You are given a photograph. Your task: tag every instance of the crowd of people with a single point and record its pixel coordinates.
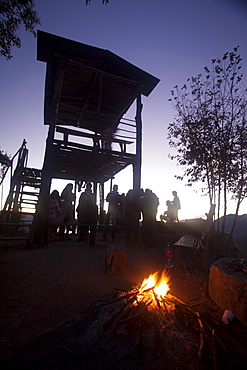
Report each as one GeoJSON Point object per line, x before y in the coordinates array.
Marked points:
{"type": "Point", "coordinates": [124, 212]}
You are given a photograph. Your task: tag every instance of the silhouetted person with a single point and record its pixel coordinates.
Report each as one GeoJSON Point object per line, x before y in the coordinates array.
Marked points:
{"type": "Point", "coordinates": [67, 198]}
{"type": "Point", "coordinates": [58, 211]}
{"type": "Point", "coordinates": [169, 214]}
{"type": "Point", "coordinates": [176, 204]}
{"type": "Point", "coordinates": [149, 205]}
{"type": "Point", "coordinates": [87, 215]}
{"type": "Point", "coordinates": [128, 214]}
{"type": "Point", "coordinates": [114, 217]}
{"type": "Point", "coordinates": [55, 208]}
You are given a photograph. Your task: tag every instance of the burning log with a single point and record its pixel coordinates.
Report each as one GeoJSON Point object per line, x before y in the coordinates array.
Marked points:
{"type": "Point", "coordinates": [149, 328]}
{"type": "Point", "coordinates": [147, 319]}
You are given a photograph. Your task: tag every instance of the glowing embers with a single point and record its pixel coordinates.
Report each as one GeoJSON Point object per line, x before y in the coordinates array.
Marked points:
{"type": "Point", "coordinates": [154, 291]}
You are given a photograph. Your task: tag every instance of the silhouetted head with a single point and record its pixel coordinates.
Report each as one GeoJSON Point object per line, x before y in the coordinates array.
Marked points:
{"type": "Point", "coordinates": [54, 194]}
{"type": "Point", "coordinates": [115, 188]}
{"type": "Point", "coordinates": [174, 193]}
{"type": "Point", "coordinates": [67, 191]}
{"type": "Point", "coordinates": [88, 186]}
{"type": "Point", "coordinates": [69, 187]}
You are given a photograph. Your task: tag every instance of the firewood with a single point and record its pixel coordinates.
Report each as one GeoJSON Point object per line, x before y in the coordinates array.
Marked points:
{"type": "Point", "coordinates": [130, 318]}
{"type": "Point", "coordinates": [225, 352]}
{"type": "Point", "coordinates": [110, 322]}
{"type": "Point", "coordinates": [157, 335]}
{"type": "Point", "coordinates": [161, 322]}
{"type": "Point", "coordinates": [118, 299]}
{"type": "Point", "coordinates": [202, 341]}
{"type": "Point", "coordinates": [210, 341]}
{"type": "Point", "coordinates": [156, 298]}
{"type": "Point", "coordinates": [179, 315]}
{"type": "Point", "coordinates": [167, 311]}
{"type": "Point", "coordinates": [202, 346]}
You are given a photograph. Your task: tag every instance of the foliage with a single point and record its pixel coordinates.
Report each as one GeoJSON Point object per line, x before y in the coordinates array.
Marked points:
{"type": "Point", "coordinates": [15, 13]}
{"type": "Point", "coordinates": [210, 129]}
{"type": "Point", "coordinates": [5, 162]}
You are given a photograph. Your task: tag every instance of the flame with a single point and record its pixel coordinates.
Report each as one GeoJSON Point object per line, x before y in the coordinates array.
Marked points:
{"type": "Point", "coordinates": [154, 288]}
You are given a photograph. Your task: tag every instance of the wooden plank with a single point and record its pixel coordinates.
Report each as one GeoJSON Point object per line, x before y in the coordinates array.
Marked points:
{"type": "Point", "coordinates": [187, 241]}
{"type": "Point", "coordinates": [91, 136]}
{"type": "Point", "coordinates": [16, 224]}
{"type": "Point", "coordinates": [14, 237]}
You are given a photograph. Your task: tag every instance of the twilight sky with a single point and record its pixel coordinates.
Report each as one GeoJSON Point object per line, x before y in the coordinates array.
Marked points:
{"type": "Point", "coordinates": [172, 40]}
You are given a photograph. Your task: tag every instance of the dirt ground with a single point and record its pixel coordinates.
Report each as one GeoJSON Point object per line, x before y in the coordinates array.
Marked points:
{"type": "Point", "coordinates": [45, 286]}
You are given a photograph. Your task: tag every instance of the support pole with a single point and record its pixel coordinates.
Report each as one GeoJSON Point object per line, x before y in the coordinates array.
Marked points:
{"type": "Point", "coordinates": [41, 217]}
{"type": "Point", "coordinates": [137, 168]}
{"type": "Point", "coordinates": [101, 202]}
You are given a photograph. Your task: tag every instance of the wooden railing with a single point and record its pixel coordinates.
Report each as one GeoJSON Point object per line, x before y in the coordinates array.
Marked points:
{"type": "Point", "coordinates": [97, 139]}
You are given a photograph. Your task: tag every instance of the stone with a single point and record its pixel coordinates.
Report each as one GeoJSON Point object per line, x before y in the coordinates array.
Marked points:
{"type": "Point", "coordinates": [229, 289]}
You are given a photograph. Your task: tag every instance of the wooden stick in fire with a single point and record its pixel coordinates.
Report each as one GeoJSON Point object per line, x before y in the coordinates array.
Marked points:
{"type": "Point", "coordinates": [210, 341]}
{"type": "Point", "coordinates": [202, 342]}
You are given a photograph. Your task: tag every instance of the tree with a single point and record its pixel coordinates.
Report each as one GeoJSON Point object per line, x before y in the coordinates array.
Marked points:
{"type": "Point", "coordinates": [15, 13]}
{"type": "Point", "coordinates": [210, 131]}
{"type": "Point", "coordinates": [5, 163]}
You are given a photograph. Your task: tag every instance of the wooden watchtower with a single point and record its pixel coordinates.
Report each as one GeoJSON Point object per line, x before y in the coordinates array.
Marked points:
{"type": "Point", "coordinates": [87, 92]}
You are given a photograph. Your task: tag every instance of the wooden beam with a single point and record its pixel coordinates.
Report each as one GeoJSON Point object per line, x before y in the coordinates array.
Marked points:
{"type": "Point", "coordinates": [91, 136]}
{"type": "Point", "coordinates": [137, 168]}
{"type": "Point", "coordinates": [109, 75]}
{"type": "Point", "coordinates": [57, 91]}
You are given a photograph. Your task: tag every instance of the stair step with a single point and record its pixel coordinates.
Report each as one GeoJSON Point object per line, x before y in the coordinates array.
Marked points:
{"type": "Point", "coordinates": [28, 201]}
{"type": "Point", "coordinates": [30, 193]}
{"type": "Point", "coordinates": [25, 189]}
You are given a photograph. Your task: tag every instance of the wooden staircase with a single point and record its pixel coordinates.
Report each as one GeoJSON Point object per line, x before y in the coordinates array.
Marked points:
{"type": "Point", "coordinates": [17, 213]}
{"type": "Point", "coordinates": [25, 184]}
{"type": "Point", "coordinates": [24, 190]}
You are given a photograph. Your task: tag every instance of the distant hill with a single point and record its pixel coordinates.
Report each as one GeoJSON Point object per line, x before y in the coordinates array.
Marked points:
{"type": "Point", "coordinates": [240, 231]}
{"type": "Point", "coordinates": [240, 228]}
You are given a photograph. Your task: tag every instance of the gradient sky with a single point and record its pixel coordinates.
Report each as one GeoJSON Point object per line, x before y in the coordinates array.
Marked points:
{"type": "Point", "coordinates": [172, 40]}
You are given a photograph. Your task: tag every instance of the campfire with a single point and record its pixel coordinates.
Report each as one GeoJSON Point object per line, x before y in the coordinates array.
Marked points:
{"type": "Point", "coordinates": [154, 289]}
{"type": "Point", "coordinates": [148, 328]}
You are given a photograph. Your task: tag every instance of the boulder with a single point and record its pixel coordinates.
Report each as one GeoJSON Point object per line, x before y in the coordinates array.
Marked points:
{"type": "Point", "coordinates": [229, 289]}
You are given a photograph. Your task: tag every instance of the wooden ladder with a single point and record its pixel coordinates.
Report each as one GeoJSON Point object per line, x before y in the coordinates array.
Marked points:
{"type": "Point", "coordinates": [24, 190]}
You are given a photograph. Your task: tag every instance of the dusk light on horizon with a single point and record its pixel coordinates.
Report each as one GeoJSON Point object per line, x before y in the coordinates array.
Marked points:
{"type": "Point", "coordinates": [172, 41]}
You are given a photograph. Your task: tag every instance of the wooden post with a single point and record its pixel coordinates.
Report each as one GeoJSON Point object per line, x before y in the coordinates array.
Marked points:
{"type": "Point", "coordinates": [41, 217]}
{"type": "Point", "coordinates": [101, 202]}
{"type": "Point", "coordinates": [137, 167]}
{"type": "Point", "coordinates": [116, 255]}
{"type": "Point", "coordinates": [22, 160]}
